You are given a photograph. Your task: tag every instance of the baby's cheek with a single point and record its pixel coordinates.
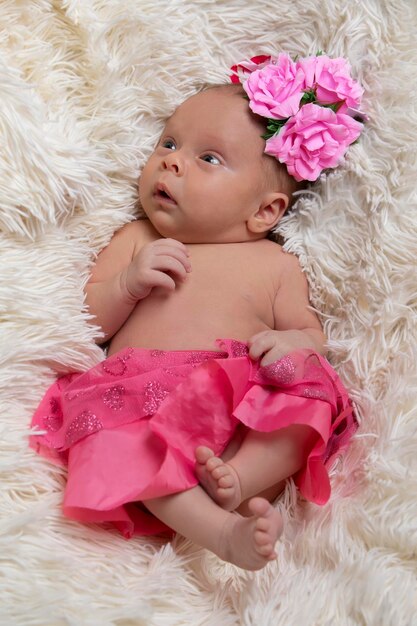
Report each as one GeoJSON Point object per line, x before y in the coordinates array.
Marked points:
{"type": "Point", "coordinates": [143, 183]}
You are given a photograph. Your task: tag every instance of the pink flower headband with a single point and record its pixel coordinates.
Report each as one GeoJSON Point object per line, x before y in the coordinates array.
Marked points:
{"type": "Point", "coordinates": [312, 107]}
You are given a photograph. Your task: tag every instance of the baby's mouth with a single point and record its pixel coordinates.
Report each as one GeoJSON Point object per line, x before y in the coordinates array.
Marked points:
{"type": "Point", "coordinates": [162, 193]}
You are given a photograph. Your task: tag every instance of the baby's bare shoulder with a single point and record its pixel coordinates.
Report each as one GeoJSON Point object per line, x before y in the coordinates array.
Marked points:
{"type": "Point", "coordinates": [281, 266]}
{"type": "Point", "coordinates": [285, 257]}
{"type": "Point", "coordinates": [139, 232]}
{"type": "Point", "coordinates": [274, 255]}
{"type": "Point", "coordinates": [270, 247]}
{"type": "Point", "coordinates": [141, 228]}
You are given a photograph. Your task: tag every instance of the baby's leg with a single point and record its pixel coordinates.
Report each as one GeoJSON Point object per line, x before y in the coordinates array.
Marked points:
{"type": "Point", "coordinates": [245, 541]}
{"type": "Point", "coordinates": [263, 462]}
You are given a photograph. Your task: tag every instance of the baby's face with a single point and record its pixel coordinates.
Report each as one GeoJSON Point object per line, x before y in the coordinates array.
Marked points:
{"type": "Point", "coordinates": [207, 173]}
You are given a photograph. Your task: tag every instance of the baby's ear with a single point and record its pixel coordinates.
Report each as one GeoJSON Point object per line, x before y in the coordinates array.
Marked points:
{"type": "Point", "coordinates": [272, 208]}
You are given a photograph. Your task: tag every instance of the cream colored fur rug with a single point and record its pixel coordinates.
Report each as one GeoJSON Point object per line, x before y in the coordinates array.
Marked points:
{"type": "Point", "coordinates": [85, 85]}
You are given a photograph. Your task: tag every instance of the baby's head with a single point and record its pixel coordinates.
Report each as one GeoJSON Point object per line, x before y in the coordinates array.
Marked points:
{"type": "Point", "coordinates": [209, 180]}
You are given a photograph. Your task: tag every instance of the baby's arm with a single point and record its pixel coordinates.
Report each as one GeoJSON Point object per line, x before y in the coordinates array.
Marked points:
{"type": "Point", "coordinates": [296, 326]}
{"type": "Point", "coordinates": [127, 270]}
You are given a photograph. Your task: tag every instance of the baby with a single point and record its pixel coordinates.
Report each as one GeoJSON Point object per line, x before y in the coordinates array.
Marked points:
{"type": "Point", "coordinates": [213, 391]}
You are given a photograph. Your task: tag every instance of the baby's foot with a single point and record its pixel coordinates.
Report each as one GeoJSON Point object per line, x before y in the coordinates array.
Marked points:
{"type": "Point", "coordinates": [218, 478]}
{"type": "Point", "coordinates": [249, 541]}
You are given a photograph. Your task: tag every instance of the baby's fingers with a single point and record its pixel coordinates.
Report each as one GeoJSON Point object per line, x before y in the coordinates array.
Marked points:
{"type": "Point", "coordinates": [157, 278]}
{"type": "Point", "coordinates": [260, 343]}
{"type": "Point", "coordinates": [176, 253]}
{"type": "Point", "coordinates": [171, 265]}
{"type": "Point", "coordinates": [168, 246]}
{"type": "Point", "coordinates": [163, 242]}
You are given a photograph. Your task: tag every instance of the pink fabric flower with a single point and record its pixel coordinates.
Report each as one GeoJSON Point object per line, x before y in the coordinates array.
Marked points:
{"type": "Point", "coordinates": [332, 81]}
{"type": "Point", "coordinates": [314, 139]}
{"type": "Point", "coordinates": [275, 90]}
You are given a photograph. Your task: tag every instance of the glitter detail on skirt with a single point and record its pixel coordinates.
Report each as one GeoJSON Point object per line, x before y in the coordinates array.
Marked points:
{"type": "Point", "coordinates": [84, 424]}
{"type": "Point", "coordinates": [154, 395]}
{"type": "Point", "coordinates": [112, 397]}
{"type": "Point", "coordinates": [128, 427]}
{"type": "Point", "coordinates": [282, 371]}
{"type": "Point", "coordinates": [52, 422]}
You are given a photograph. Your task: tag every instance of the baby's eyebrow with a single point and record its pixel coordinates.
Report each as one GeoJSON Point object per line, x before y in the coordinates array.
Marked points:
{"type": "Point", "coordinates": [170, 120]}
{"type": "Point", "coordinates": [166, 130]}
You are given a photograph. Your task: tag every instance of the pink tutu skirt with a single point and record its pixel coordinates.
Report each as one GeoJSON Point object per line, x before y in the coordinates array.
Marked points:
{"type": "Point", "coordinates": [127, 429]}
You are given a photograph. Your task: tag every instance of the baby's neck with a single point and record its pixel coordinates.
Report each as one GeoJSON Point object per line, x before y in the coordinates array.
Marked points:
{"type": "Point", "coordinates": [217, 239]}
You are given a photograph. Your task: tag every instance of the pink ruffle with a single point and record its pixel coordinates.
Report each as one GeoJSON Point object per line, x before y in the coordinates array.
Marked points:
{"type": "Point", "coordinates": [128, 428]}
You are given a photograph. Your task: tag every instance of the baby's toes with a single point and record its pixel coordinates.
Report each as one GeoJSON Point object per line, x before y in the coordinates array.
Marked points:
{"type": "Point", "coordinates": [226, 481]}
{"type": "Point", "coordinates": [263, 524]}
{"type": "Point", "coordinates": [266, 550]}
{"type": "Point", "coordinates": [263, 543]}
{"type": "Point", "coordinates": [214, 463]}
{"type": "Point", "coordinates": [203, 454]}
{"type": "Point", "coordinates": [261, 538]}
{"type": "Point", "coordinates": [221, 471]}
{"type": "Point", "coordinates": [260, 507]}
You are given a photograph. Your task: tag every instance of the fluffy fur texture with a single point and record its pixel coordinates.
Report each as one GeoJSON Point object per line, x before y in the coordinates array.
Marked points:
{"type": "Point", "coordinates": [85, 85]}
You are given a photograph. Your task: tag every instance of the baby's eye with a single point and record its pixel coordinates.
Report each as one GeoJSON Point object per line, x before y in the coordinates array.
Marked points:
{"type": "Point", "coordinates": [210, 158]}
{"type": "Point", "coordinates": [169, 143]}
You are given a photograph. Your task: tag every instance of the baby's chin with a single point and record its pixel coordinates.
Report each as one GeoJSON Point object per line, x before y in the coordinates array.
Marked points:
{"type": "Point", "coordinates": [183, 237]}
{"type": "Point", "coordinates": [167, 228]}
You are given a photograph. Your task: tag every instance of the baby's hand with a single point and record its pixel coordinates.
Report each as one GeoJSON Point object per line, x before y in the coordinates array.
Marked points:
{"type": "Point", "coordinates": [274, 344]}
{"type": "Point", "coordinates": [160, 263]}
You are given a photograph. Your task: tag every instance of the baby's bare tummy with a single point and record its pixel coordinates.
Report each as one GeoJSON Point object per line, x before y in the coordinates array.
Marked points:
{"type": "Point", "coordinates": [225, 296]}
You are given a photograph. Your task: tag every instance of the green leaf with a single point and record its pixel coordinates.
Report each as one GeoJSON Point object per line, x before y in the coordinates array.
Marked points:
{"type": "Point", "coordinates": [309, 96]}
{"type": "Point", "coordinates": [273, 127]}
{"type": "Point", "coordinates": [334, 106]}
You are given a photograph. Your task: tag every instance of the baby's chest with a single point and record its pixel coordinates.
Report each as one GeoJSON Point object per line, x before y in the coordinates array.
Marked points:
{"type": "Point", "coordinates": [223, 289]}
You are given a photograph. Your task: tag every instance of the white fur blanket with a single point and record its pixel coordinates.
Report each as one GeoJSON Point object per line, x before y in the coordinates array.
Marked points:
{"type": "Point", "coordinates": [85, 85]}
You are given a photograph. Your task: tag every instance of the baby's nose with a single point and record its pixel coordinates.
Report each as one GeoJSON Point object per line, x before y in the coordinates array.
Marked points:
{"type": "Point", "coordinates": [173, 162]}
